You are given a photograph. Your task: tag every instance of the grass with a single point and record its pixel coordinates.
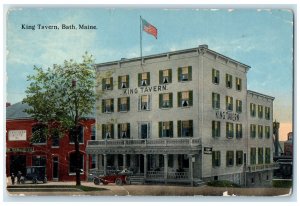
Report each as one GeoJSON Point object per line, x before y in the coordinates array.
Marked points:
{"type": "Point", "coordinates": [222, 183]}
{"type": "Point", "coordinates": [48, 188]}
{"type": "Point", "coordinates": [282, 183]}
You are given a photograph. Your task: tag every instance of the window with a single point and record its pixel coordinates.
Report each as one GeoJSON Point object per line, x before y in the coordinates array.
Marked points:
{"type": "Point", "coordinates": [229, 158]}
{"type": "Point", "coordinates": [260, 155]}
{"type": "Point", "coordinates": [144, 79]}
{"type": "Point", "coordinates": [73, 132]}
{"type": "Point", "coordinates": [216, 129]}
{"type": "Point", "coordinates": [107, 131]}
{"type": "Point", "coordinates": [165, 76]}
{"type": "Point", "coordinates": [260, 111]}
{"type": "Point", "coordinates": [38, 161]}
{"type": "Point", "coordinates": [229, 103]}
{"type": "Point", "coordinates": [107, 83]}
{"type": "Point", "coordinates": [93, 161]}
{"type": "Point", "coordinates": [238, 84]}
{"type": "Point", "coordinates": [216, 101]}
{"type": "Point", "coordinates": [239, 157]}
{"type": "Point", "coordinates": [238, 131]}
{"type": "Point", "coordinates": [267, 155]}
{"type": "Point", "coordinates": [267, 132]}
{"type": "Point", "coordinates": [123, 104]}
{"type": "Point", "coordinates": [165, 129]}
{"type": "Point", "coordinates": [93, 132]}
{"type": "Point", "coordinates": [260, 131]}
{"type": "Point", "coordinates": [107, 105]}
{"type": "Point", "coordinates": [166, 100]}
{"type": "Point", "coordinates": [216, 158]}
{"type": "Point", "coordinates": [215, 76]}
{"type": "Point", "coordinates": [229, 130]}
{"type": "Point", "coordinates": [123, 82]}
{"type": "Point", "coordinates": [55, 138]}
{"type": "Point", "coordinates": [144, 130]}
{"type": "Point", "coordinates": [185, 99]}
{"type": "Point", "coordinates": [253, 130]}
{"type": "Point", "coordinates": [73, 162]}
{"type": "Point", "coordinates": [267, 113]}
{"type": "Point", "coordinates": [252, 110]}
{"type": "Point", "coordinates": [144, 102]}
{"type": "Point", "coordinates": [228, 81]}
{"type": "Point", "coordinates": [185, 74]}
{"type": "Point", "coordinates": [185, 128]}
{"type": "Point", "coordinates": [253, 156]}
{"type": "Point", "coordinates": [238, 106]}
{"type": "Point", "coordinates": [38, 134]}
{"type": "Point", "coordinates": [124, 131]}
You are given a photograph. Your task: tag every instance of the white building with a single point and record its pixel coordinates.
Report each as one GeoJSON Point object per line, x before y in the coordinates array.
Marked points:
{"type": "Point", "coordinates": [183, 116]}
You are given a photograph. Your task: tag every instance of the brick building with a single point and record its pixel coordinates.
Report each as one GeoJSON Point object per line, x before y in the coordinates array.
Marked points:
{"type": "Point", "coordinates": [56, 154]}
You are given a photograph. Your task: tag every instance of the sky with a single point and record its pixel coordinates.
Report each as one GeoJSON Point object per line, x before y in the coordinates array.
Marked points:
{"type": "Point", "coordinates": [262, 39]}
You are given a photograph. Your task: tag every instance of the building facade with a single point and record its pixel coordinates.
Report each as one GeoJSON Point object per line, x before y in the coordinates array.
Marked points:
{"type": "Point", "coordinates": [56, 154]}
{"type": "Point", "coordinates": [181, 116]}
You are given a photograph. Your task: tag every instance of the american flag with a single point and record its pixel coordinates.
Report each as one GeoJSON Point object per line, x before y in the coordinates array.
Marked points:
{"type": "Point", "coordinates": [149, 28]}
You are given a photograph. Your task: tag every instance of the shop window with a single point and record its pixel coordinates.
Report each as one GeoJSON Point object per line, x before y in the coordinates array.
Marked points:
{"type": "Point", "coordinates": [123, 104]}
{"type": "Point", "coordinates": [124, 131]}
{"type": "Point", "coordinates": [185, 74]}
{"type": "Point", "coordinates": [215, 76]}
{"type": "Point", "coordinates": [166, 100]}
{"type": "Point", "coordinates": [215, 101]}
{"type": "Point", "coordinates": [107, 131]}
{"type": "Point", "coordinates": [73, 162]}
{"type": "Point", "coordinates": [216, 158]}
{"type": "Point", "coordinates": [144, 79]}
{"type": "Point", "coordinates": [123, 82]}
{"type": "Point", "coordinates": [107, 84]}
{"type": "Point", "coordinates": [38, 134]}
{"type": "Point", "coordinates": [185, 99]}
{"type": "Point", "coordinates": [228, 81]}
{"type": "Point", "coordinates": [185, 128]}
{"type": "Point", "coordinates": [165, 76]}
{"type": "Point", "coordinates": [216, 129]}
{"type": "Point", "coordinates": [165, 129]}
{"type": "Point", "coordinates": [229, 158]}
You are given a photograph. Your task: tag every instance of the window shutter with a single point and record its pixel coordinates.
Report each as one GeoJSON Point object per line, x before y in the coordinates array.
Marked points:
{"type": "Point", "coordinates": [119, 104]}
{"type": "Point", "coordinates": [213, 75]}
{"type": "Point", "coordinates": [111, 83]}
{"type": "Point", "coordinates": [119, 131]}
{"type": "Point", "coordinates": [149, 102]}
{"type": "Point", "coordinates": [160, 100]}
{"type": "Point", "coordinates": [103, 105]}
{"type": "Point", "coordinates": [190, 98]}
{"type": "Point", "coordinates": [119, 82]}
{"type": "Point", "coordinates": [179, 128]}
{"type": "Point", "coordinates": [179, 73]}
{"type": "Point", "coordinates": [112, 131]}
{"type": "Point", "coordinates": [103, 84]}
{"type": "Point", "coordinates": [159, 129]}
{"type": "Point", "coordinates": [127, 80]}
{"type": "Point", "coordinates": [128, 130]}
{"type": "Point", "coordinates": [148, 78]}
{"type": "Point", "coordinates": [171, 128]}
{"type": "Point", "coordinates": [190, 73]}
{"type": "Point", "coordinates": [213, 129]}
{"type": "Point", "coordinates": [213, 158]}
{"type": "Point", "coordinates": [112, 105]}
{"type": "Point", "coordinates": [149, 130]}
{"type": "Point", "coordinates": [160, 76]}
{"type": "Point", "coordinates": [171, 99]}
{"type": "Point", "coordinates": [191, 127]}
{"type": "Point", "coordinates": [139, 79]}
{"type": "Point", "coordinates": [179, 96]}
{"type": "Point", "coordinates": [103, 131]}
{"type": "Point", "coordinates": [219, 129]}
{"type": "Point", "coordinates": [170, 75]}
{"type": "Point", "coordinates": [128, 103]}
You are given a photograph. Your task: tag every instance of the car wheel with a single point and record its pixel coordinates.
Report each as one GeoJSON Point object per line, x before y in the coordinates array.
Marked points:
{"type": "Point", "coordinates": [96, 181]}
{"type": "Point", "coordinates": [118, 181]}
{"type": "Point", "coordinates": [34, 181]}
{"type": "Point", "coordinates": [45, 180]}
{"type": "Point", "coordinates": [127, 180]}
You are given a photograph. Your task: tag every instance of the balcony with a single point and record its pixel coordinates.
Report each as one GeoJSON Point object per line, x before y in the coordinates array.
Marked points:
{"type": "Point", "coordinates": [136, 146]}
{"type": "Point", "coordinates": [262, 167]}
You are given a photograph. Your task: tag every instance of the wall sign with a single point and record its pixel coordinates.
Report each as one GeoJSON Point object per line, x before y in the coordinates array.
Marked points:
{"type": "Point", "coordinates": [146, 89]}
{"type": "Point", "coordinates": [227, 115]}
{"type": "Point", "coordinates": [207, 150]}
{"type": "Point", "coordinates": [24, 149]}
{"type": "Point", "coordinates": [17, 135]}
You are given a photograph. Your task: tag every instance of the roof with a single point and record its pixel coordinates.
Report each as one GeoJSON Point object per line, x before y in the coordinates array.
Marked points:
{"type": "Point", "coordinates": [196, 49]}
{"type": "Point", "coordinates": [16, 112]}
{"type": "Point", "coordinates": [260, 94]}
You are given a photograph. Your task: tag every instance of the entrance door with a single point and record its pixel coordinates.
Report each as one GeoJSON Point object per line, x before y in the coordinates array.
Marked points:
{"type": "Point", "coordinates": [144, 131]}
{"type": "Point", "coordinates": [17, 163]}
{"type": "Point", "coordinates": [55, 168]}
{"type": "Point", "coordinates": [141, 163]}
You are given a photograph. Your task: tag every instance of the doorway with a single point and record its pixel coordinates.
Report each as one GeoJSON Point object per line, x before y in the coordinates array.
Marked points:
{"type": "Point", "coordinates": [55, 168]}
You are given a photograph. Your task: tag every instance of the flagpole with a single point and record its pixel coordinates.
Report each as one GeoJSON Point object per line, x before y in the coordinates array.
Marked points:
{"type": "Point", "coordinates": [141, 40]}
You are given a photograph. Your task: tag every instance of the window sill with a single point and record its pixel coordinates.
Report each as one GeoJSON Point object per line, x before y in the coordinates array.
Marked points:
{"type": "Point", "coordinates": [166, 108]}
{"type": "Point", "coordinates": [165, 83]}
{"type": "Point", "coordinates": [39, 144]}
{"type": "Point", "coordinates": [54, 147]}
{"type": "Point", "coordinates": [185, 107]}
{"type": "Point", "coordinates": [216, 83]}
{"type": "Point", "coordinates": [123, 111]}
{"type": "Point", "coordinates": [74, 174]}
{"type": "Point", "coordinates": [81, 143]}
{"type": "Point", "coordinates": [184, 81]}
{"type": "Point", "coordinates": [107, 112]}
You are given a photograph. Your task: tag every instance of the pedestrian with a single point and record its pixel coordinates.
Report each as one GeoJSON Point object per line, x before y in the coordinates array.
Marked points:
{"type": "Point", "coordinates": [12, 178]}
{"type": "Point", "coordinates": [19, 177]}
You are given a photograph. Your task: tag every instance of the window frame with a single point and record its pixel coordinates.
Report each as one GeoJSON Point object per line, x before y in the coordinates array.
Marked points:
{"type": "Point", "coordinates": [229, 156]}
{"type": "Point", "coordinates": [215, 76]}
{"type": "Point", "coordinates": [216, 159]}
{"type": "Point", "coordinates": [229, 133]}
{"type": "Point", "coordinates": [239, 157]}
{"type": "Point", "coordinates": [229, 103]}
{"type": "Point", "coordinates": [215, 100]}
{"type": "Point", "coordinates": [216, 129]}
{"type": "Point", "coordinates": [228, 81]}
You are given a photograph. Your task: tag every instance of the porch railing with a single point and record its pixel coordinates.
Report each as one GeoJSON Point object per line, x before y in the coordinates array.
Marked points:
{"type": "Point", "coordinates": [145, 142]}
{"type": "Point", "coordinates": [261, 167]}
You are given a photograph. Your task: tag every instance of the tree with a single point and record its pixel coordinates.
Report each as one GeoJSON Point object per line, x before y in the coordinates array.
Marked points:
{"type": "Point", "coordinates": [60, 97]}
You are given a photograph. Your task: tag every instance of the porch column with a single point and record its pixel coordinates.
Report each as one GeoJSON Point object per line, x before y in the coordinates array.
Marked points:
{"type": "Point", "coordinates": [191, 168]}
{"type": "Point", "coordinates": [87, 166]}
{"type": "Point", "coordinates": [145, 166]}
{"type": "Point", "coordinates": [165, 167]}
{"type": "Point", "coordinates": [105, 163]}
{"type": "Point", "coordinates": [124, 161]}
{"type": "Point", "coordinates": [99, 160]}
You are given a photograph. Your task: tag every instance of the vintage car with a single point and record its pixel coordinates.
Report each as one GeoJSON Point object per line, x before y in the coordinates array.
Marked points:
{"type": "Point", "coordinates": [35, 174]}
{"type": "Point", "coordinates": [119, 178]}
